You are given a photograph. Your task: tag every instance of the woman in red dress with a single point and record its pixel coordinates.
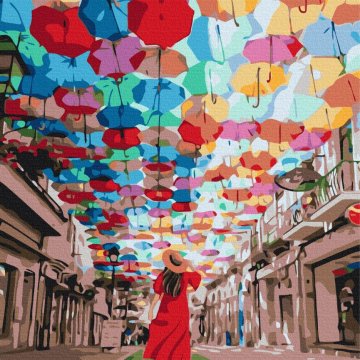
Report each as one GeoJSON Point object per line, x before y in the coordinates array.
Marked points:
{"type": "Point", "coordinates": [169, 331]}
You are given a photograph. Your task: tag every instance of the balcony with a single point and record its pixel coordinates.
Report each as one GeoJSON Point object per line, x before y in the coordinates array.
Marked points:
{"type": "Point", "coordinates": [323, 202]}
{"type": "Point", "coordinates": [336, 191]}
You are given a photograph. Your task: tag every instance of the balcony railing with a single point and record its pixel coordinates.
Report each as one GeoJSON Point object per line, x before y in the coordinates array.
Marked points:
{"type": "Point", "coordinates": [323, 201]}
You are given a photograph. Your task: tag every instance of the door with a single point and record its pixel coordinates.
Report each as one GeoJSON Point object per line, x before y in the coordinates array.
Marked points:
{"type": "Point", "coordinates": [287, 317]}
{"type": "Point", "coordinates": [27, 305]}
{"type": "Point", "coordinates": [7, 293]}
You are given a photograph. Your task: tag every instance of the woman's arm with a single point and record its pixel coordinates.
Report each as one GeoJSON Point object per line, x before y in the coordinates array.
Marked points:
{"type": "Point", "coordinates": [152, 305]}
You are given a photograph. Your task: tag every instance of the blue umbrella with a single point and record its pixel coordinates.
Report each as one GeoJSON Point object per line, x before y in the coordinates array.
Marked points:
{"type": "Point", "coordinates": [198, 39]}
{"type": "Point", "coordinates": [15, 15]}
{"type": "Point", "coordinates": [109, 246]}
{"type": "Point", "coordinates": [183, 195]}
{"type": "Point", "coordinates": [109, 197]}
{"type": "Point", "coordinates": [120, 117]}
{"type": "Point", "coordinates": [104, 19]}
{"type": "Point", "coordinates": [132, 177]}
{"type": "Point", "coordinates": [46, 127]}
{"type": "Point", "coordinates": [71, 72]}
{"type": "Point", "coordinates": [324, 38]}
{"type": "Point", "coordinates": [74, 176]}
{"type": "Point", "coordinates": [136, 211]}
{"type": "Point", "coordinates": [128, 257]}
{"type": "Point", "coordinates": [98, 169]}
{"type": "Point", "coordinates": [164, 154]}
{"type": "Point", "coordinates": [37, 83]}
{"type": "Point", "coordinates": [87, 140]}
{"type": "Point", "coordinates": [171, 95]}
{"type": "Point", "coordinates": [143, 245]}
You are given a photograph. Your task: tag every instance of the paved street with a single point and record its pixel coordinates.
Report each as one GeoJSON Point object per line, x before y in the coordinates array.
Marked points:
{"type": "Point", "coordinates": [201, 352]}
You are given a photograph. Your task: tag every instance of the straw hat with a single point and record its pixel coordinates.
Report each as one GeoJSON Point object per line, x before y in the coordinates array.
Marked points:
{"type": "Point", "coordinates": [174, 261]}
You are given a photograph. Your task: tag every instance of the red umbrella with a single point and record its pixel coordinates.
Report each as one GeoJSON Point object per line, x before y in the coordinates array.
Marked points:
{"type": "Point", "coordinates": [104, 185]}
{"type": "Point", "coordinates": [122, 139]}
{"type": "Point", "coordinates": [159, 193]}
{"type": "Point", "coordinates": [161, 23]}
{"type": "Point", "coordinates": [76, 197]}
{"type": "Point", "coordinates": [59, 32]}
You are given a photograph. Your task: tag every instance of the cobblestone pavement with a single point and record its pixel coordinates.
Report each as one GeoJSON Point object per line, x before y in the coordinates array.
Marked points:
{"type": "Point", "coordinates": [232, 352]}
{"type": "Point", "coordinates": [199, 352]}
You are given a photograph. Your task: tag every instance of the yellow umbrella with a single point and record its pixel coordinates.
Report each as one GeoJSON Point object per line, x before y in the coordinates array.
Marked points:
{"type": "Point", "coordinates": [238, 7]}
{"type": "Point", "coordinates": [226, 10]}
{"type": "Point", "coordinates": [297, 20]}
{"type": "Point", "coordinates": [328, 118]}
{"type": "Point", "coordinates": [213, 105]}
{"type": "Point", "coordinates": [263, 200]}
{"type": "Point", "coordinates": [178, 247]}
{"type": "Point", "coordinates": [252, 79]}
{"type": "Point", "coordinates": [324, 72]}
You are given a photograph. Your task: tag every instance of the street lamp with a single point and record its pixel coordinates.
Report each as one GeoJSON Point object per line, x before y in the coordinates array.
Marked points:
{"type": "Point", "coordinates": [113, 255]}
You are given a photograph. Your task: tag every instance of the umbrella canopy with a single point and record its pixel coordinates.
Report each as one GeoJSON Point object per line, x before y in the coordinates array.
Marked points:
{"type": "Point", "coordinates": [60, 32]}
{"type": "Point", "coordinates": [177, 18]}
{"type": "Point", "coordinates": [105, 19]}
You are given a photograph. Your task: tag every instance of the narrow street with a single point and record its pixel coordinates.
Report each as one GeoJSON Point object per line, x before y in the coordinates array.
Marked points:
{"type": "Point", "coordinates": [201, 352]}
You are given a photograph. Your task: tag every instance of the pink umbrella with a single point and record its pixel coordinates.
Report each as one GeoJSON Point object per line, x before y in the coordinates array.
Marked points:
{"type": "Point", "coordinates": [272, 49]}
{"type": "Point", "coordinates": [254, 210]}
{"type": "Point", "coordinates": [182, 183]}
{"type": "Point", "coordinates": [260, 189]}
{"type": "Point", "coordinates": [205, 214]}
{"type": "Point", "coordinates": [204, 267]}
{"type": "Point", "coordinates": [159, 213]}
{"type": "Point", "coordinates": [310, 140]}
{"type": "Point", "coordinates": [197, 238]}
{"type": "Point", "coordinates": [210, 252]}
{"type": "Point", "coordinates": [161, 244]}
{"type": "Point", "coordinates": [235, 131]}
{"type": "Point", "coordinates": [116, 59]}
{"type": "Point", "coordinates": [80, 102]}
{"type": "Point", "coordinates": [225, 258]}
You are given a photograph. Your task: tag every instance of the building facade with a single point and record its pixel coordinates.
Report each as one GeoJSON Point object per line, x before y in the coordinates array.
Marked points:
{"type": "Point", "coordinates": [45, 297]}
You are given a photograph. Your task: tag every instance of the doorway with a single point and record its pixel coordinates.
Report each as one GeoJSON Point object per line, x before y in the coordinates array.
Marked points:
{"type": "Point", "coordinates": [287, 317]}
{"type": "Point", "coordinates": [27, 305]}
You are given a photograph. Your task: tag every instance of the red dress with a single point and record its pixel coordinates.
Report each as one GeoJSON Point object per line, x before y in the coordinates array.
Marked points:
{"type": "Point", "coordinates": [169, 331]}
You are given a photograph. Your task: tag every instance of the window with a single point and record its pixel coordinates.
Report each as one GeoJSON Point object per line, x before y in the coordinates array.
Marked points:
{"type": "Point", "coordinates": [6, 297]}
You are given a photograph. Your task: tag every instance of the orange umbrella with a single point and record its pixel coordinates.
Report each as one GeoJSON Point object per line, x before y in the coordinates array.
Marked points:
{"type": "Point", "coordinates": [236, 195]}
{"type": "Point", "coordinates": [222, 172]}
{"type": "Point", "coordinates": [342, 12]}
{"type": "Point", "coordinates": [345, 92]}
{"type": "Point", "coordinates": [261, 161]}
{"type": "Point", "coordinates": [172, 63]}
{"type": "Point", "coordinates": [277, 132]}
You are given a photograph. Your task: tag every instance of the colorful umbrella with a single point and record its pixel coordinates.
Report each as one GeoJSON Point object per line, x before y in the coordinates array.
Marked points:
{"type": "Point", "coordinates": [105, 18]}
{"type": "Point", "coordinates": [59, 32]}
{"type": "Point", "coordinates": [176, 16]}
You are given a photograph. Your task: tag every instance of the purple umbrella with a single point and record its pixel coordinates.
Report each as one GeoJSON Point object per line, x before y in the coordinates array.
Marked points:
{"type": "Point", "coordinates": [116, 59]}
{"type": "Point", "coordinates": [131, 190]}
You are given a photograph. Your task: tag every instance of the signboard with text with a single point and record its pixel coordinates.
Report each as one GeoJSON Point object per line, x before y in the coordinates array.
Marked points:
{"type": "Point", "coordinates": [111, 333]}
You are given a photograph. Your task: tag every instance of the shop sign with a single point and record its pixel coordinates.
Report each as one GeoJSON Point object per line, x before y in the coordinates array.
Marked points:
{"type": "Point", "coordinates": [111, 333]}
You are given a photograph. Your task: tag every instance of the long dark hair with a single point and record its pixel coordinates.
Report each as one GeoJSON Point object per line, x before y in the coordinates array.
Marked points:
{"type": "Point", "coordinates": [172, 280]}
